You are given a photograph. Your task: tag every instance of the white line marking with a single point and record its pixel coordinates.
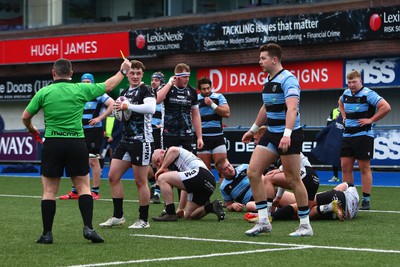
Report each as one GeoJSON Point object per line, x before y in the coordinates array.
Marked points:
{"type": "Point", "coordinates": [289, 247]}
{"type": "Point", "coordinates": [188, 257]}
{"type": "Point", "coordinates": [267, 243]}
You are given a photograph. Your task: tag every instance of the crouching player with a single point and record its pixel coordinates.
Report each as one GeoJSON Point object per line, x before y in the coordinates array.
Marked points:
{"type": "Point", "coordinates": [177, 167]}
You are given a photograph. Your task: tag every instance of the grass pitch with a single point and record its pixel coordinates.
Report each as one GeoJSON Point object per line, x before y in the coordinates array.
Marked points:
{"type": "Point", "coordinates": [372, 238]}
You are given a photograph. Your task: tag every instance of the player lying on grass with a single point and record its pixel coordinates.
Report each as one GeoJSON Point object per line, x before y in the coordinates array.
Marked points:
{"type": "Point", "coordinates": [177, 167]}
{"type": "Point", "coordinates": [236, 191]}
{"type": "Point", "coordinates": [340, 203]}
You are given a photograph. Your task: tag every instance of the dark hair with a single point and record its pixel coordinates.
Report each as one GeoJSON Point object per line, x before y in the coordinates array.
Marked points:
{"type": "Point", "coordinates": [203, 80]}
{"type": "Point", "coordinates": [136, 64]}
{"type": "Point", "coordinates": [159, 75]}
{"type": "Point", "coordinates": [62, 67]}
{"type": "Point", "coordinates": [274, 50]}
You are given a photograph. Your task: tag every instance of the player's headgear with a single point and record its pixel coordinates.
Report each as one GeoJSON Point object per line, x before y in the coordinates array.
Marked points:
{"type": "Point", "coordinates": [160, 76]}
{"type": "Point", "coordinates": [87, 76]}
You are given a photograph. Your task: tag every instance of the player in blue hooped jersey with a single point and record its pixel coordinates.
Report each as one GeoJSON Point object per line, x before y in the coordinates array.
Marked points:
{"type": "Point", "coordinates": [360, 107]}
{"type": "Point", "coordinates": [213, 107]}
{"type": "Point", "coordinates": [235, 188]}
{"type": "Point", "coordinates": [284, 138]}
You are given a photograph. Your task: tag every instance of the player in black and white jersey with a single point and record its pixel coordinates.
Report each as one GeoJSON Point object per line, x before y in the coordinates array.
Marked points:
{"type": "Point", "coordinates": [177, 167]}
{"type": "Point", "coordinates": [181, 110]}
{"type": "Point", "coordinates": [181, 113]}
{"type": "Point", "coordinates": [135, 148]}
{"type": "Point", "coordinates": [340, 203]}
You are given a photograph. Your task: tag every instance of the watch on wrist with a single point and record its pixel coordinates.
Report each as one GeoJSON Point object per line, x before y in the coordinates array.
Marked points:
{"type": "Point", "coordinates": [123, 72]}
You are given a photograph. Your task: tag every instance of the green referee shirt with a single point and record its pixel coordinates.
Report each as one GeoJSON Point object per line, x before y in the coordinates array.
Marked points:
{"type": "Point", "coordinates": [62, 103]}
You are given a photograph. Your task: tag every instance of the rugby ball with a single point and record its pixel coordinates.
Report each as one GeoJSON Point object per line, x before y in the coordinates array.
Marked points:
{"type": "Point", "coordinates": [122, 115]}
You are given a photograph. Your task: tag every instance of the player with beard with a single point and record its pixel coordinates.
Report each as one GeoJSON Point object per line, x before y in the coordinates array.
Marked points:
{"type": "Point", "coordinates": [157, 82]}
{"type": "Point", "coordinates": [213, 107]}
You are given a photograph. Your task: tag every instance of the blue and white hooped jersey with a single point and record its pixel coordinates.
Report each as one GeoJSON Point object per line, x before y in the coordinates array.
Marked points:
{"type": "Point", "coordinates": [275, 91]}
{"type": "Point", "coordinates": [238, 189]}
{"type": "Point", "coordinates": [211, 122]}
{"type": "Point", "coordinates": [92, 110]}
{"type": "Point", "coordinates": [158, 116]}
{"type": "Point", "coordinates": [361, 105]}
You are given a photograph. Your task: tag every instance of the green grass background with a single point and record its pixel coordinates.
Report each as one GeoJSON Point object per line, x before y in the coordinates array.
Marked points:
{"type": "Point", "coordinates": [339, 243]}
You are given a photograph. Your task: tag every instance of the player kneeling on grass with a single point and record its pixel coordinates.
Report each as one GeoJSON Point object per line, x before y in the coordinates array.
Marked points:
{"type": "Point", "coordinates": [177, 167]}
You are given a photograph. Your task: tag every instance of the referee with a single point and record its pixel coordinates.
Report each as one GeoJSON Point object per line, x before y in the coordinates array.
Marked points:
{"type": "Point", "coordinates": [65, 148]}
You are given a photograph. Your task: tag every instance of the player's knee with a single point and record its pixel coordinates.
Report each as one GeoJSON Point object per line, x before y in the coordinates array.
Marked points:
{"type": "Point", "coordinates": [253, 174]}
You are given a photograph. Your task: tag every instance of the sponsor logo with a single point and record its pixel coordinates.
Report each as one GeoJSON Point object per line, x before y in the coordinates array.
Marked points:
{"type": "Point", "coordinates": [375, 22]}
{"type": "Point", "coordinates": [58, 133]}
{"type": "Point", "coordinates": [190, 173]}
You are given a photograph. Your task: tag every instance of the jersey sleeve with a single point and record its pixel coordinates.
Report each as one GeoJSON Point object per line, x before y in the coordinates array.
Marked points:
{"type": "Point", "coordinates": [291, 87]}
{"type": "Point", "coordinates": [35, 104]}
{"type": "Point", "coordinates": [222, 99]}
{"type": "Point", "coordinates": [92, 91]}
{"type": "Point", "coordinates": [373, 98]}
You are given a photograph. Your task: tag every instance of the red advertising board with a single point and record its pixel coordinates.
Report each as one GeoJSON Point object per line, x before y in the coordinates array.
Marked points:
{"type": "Point", "coordinates": [75, 48]}
{"type": "Point", "coordinates": [313, 75]}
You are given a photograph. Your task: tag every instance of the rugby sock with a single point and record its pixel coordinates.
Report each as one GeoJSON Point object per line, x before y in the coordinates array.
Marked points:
{"type": "Point", "coordinates": [101, 161]}
{"type": "Point", "coordinates": [208, 207]}
{"type": "Point", "coordinates": [96, 190]}
{"type": "Point", "coordinates": [118, 210]}
{"type": "Point", "coordinates": [85, 203]}
{"type": "Point", "coordinates": [285, 213]}
{"type": "Point", "coordinates": [269, 208]}
{"type": "Point", "coordinates": [262, 208]}
{"type": "Point", "coordinates": [335, 171]}
{"type": "Point", "coordinates": [152, 181]}
{"type": "Point", "coordinates": [304, 215]}
{"type": "Point", "coordinates": [324, 208]}
{"type": "Point", "coordinates": [73, 190]}
{"type": "Point", "coordinates": [48, 207]}
{"type": "Point", "coordinates": [366, 197]}
{"type": "Point", "coordinates": [144, 213]}
{"type": "Point", "coordinates": [170, 209]}
{"type": "Point", "coordinates": [157, 190]}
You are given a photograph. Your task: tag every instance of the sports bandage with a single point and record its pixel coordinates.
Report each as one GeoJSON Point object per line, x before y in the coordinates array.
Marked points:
{"type": "Point", "coordinates": [287, 132]}
{"type": "Point", "coordinates": [214, 106]}
{"type": "Point", "coordinates": [254, 128]}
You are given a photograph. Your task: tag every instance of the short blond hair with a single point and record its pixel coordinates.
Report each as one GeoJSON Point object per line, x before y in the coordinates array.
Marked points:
{"type": "Point", "coordinates": [220, 163]}
{"type": "Point", "coordinates": [353, 74]}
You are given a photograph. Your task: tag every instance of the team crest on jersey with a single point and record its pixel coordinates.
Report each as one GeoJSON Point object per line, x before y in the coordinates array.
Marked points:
{"type": "Point", "coordinates": [274, 88]}
{"type": "Point", "coordinates": [188, 93]}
